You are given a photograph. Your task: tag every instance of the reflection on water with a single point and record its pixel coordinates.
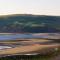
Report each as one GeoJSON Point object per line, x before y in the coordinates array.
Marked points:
{"type": "Point", "coordinates": [17, 36]}
{"type": "Point", "coordinates": [5, 47]}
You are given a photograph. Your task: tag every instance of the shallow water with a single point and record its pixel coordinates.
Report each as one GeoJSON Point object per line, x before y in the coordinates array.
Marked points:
{"type": "Point", "coordinates": [5, 47]}
{"type": "Point", "coordinates": [18, 36]}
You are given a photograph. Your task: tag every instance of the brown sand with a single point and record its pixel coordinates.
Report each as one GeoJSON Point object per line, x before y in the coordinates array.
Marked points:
{"type": "Point", "coordinates": [22, 49]}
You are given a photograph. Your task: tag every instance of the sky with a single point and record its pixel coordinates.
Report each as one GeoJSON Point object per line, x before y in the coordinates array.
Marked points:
{"type": "Point", "coordinates": [39, 7]}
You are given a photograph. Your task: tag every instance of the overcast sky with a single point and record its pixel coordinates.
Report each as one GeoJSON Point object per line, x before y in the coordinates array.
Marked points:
{"type": "Point", "coordinates": [41, 7]}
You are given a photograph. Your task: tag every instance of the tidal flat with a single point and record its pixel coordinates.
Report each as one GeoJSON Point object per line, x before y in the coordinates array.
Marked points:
{"type": "Point", "coordinates": [34, 46]}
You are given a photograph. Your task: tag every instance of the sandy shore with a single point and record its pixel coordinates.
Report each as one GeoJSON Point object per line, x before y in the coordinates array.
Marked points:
{"type": "Point", "coordinates": [27, 46]}
{"type": "Point", "coordinates": [25, 40]}
{"type": "Point", "coordinates": [26, 49]}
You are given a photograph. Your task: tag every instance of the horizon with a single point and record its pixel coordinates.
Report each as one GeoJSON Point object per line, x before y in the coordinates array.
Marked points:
{"type": "Point", "coordinates": [27, 14]}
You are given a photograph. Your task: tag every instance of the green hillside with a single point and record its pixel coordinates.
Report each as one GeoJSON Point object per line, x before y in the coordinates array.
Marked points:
{"type": "Point", "coordinates": [29, 23]}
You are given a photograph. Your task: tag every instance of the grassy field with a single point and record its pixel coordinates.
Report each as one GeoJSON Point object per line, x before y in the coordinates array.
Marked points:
{"type": "Point", "coordinates": [38, 57]}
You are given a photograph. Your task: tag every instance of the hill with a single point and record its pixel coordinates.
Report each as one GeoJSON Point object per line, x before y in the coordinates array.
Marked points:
{"type": "Point", "coordinates": [29, 23]}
